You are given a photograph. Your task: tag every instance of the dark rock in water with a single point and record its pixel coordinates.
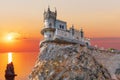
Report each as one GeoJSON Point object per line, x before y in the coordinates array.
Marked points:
{"type": "Point", "coordinates": [67, 62]}
{"type": "Point", "coordinates": [9, 72]}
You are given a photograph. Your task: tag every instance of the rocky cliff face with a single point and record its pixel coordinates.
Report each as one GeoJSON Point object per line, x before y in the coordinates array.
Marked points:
{"type": "Point", "coordinates": [67, 62]}
{"type": "Point", "coordinates": [110, 60]}
{"type": "Point", "coordinates": [117, 72]}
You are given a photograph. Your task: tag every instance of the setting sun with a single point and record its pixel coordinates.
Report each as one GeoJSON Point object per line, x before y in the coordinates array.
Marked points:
{"type": "Point", "coordinates": [9, 37]}
{"type": "Point", "coordinates": [12, 36]}
{"type": "Point", "coordinates": [9, 57]}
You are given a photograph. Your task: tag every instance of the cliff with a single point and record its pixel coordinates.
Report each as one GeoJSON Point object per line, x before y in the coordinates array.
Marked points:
{"type": "Point", "coordinates": [67, 62]}
{"type": "Point", "coordinates": [110, 60]}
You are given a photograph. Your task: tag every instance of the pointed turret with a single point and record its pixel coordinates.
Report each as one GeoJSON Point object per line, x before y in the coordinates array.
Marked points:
{"type": "Point", "coordinates": [49, 23]}
{"type": "Point", "coordinates": [49, 14]}
{"type": "Point", "coordinates": [49, 8]}
{"type": "Point", "coordinates": [82, 33]}
{"type": "Point", "coordinates": [55, 12]}
{"type": "Point", "coordinates": [72, 29]}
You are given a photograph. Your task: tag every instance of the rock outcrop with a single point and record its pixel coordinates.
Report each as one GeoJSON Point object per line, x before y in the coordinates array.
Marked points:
{"type": "Point", "coordinates": [110, 60]}
{"type": "Point", "coordinates": [67, 62]}
{"type": "Point", "coordinates": [117, 73]}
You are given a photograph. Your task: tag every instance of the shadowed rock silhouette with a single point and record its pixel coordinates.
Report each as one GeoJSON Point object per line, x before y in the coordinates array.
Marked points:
{"type": "Point", "coordinates": [9, 72]}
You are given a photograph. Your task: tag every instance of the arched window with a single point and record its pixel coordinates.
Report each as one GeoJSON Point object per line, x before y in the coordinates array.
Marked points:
{"type": "Point", "coordinates": [50, 24]}
{"type": "Point", "coordinates": [49, 35]}
{"type": "Point", "coordinates": [60, 26]}
{"type": "Point", "coordinates": [87, 44]}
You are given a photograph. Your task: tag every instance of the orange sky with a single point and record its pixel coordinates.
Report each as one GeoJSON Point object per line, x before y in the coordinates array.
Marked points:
{"type": "Point", "coordinates": [23, 19]}
{"type": "Point", "coordinates": [97, 18]}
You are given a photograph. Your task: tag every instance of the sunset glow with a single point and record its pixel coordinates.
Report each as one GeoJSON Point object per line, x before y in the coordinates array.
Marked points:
{"type": "Point", "coordinates": [9, 37]}
{"type": "Point", "coordinates": [9, 57]}
{"type": "Point", "coordinates": [12, 36]}
{"type": "Point", "coordinates": [22, 20]}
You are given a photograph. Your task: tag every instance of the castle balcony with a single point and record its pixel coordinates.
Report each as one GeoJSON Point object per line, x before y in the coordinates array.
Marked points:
{"type": "Point", "coordinates": [63, 39]}
{"type": "Point", "coordinates": [47, 29]}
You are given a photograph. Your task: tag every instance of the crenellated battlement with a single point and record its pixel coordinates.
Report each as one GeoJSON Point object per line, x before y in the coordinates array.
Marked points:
{"type": "Point", "coordinates": [49, 14]}
{"type": "Point", "coordinates": [55, 29]}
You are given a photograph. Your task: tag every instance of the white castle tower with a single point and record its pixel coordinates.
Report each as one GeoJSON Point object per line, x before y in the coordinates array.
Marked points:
{"type": "Point", "coordinates": [49, 24]}
{"type": "Point", "coordinates": [56, 30]}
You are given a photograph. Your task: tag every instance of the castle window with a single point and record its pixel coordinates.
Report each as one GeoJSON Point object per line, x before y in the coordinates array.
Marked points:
{"type": "Point", "coordinates": [87, 44]}
{"type": "Point", "coordinates": [78, 38]}
{"type": "Point", "coordinates": [60, 26]}
{"type": "Point", "coordinates": [49, 36]}
{"type": "Point", "coordinates": [50, 24]}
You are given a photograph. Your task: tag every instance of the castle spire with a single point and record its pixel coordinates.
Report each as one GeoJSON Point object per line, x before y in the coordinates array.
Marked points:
{"type": "Point", "coordinates": [55, 11]}
{"type": "Point", "coordinates": [48, 8]}
{"type": "Point", "coordinates": [72, 26]}
{"type": "Point", "coordinates": [81, 29]}
{"type": "Point", "coordinates": [82, 33]}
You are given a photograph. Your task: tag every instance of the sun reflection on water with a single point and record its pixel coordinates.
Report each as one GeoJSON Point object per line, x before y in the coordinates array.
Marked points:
{"type": "Point", "coordinates": [9, 57]}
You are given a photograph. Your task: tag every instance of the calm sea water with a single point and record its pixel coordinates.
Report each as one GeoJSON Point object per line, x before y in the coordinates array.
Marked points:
{"type": "Point", "coordinates": [25, 61]}
{"type": "Point", "coordinates": [106, 42]}
{"type": "Point", "coordinates": [23, 64]}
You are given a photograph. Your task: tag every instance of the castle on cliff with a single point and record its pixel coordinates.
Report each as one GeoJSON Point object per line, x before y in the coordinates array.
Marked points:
{"type": "Point", "coordinates": [56, 30]}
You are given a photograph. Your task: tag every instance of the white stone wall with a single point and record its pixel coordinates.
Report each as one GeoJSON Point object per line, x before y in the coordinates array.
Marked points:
{"type": "Point", "coordinates": [61, 30]}
{"type": "Point", "coordinates": [62, 23]}
{"type": "Point", "coordinates": [63, 33]}
{"type": "Point", "coordinates": [68, 35]}
{"type": "Point", "coordinates": [48, 35]}
{"type": "Point", "coordinates": [77, 35]}
{"type": "Point", "coordinates": [48, 22]}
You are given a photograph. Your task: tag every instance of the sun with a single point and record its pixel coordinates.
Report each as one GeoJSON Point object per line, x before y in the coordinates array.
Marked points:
{"type": "Point", "coordinates": [12, 37]}
{"type": "Point", "coordinates": [9, 37]}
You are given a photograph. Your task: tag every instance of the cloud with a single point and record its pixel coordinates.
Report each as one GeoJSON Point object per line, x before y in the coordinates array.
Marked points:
{"type": "Point", "coordinates": [18, 36]}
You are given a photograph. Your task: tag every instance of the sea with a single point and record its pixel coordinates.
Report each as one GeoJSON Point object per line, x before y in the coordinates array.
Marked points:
{"type": "Point", "coordinates": [24, 61]}
{"type": "Point", "coordinates": [23, 64]}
